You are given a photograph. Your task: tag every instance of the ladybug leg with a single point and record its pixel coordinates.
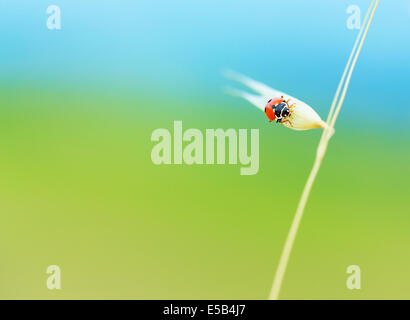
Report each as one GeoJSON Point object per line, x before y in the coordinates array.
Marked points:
{"type": "Point", "coordinates": [287, 121]}
{"type": "Point", "coordinates": [290, 106]}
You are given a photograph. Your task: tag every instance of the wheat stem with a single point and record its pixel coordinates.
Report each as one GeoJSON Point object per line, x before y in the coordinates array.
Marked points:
{"type": "Point", "coordinates": [321, 150]}
{"type": "Point", "coordinates": [339, 87]}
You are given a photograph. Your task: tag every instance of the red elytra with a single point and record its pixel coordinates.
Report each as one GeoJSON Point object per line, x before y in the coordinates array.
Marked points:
{"type": "Point", "coordinates": [270, 113]}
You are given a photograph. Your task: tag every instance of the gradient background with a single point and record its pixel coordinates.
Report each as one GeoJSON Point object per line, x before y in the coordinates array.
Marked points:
{"type": "Point", "coordinates": [78, 188]}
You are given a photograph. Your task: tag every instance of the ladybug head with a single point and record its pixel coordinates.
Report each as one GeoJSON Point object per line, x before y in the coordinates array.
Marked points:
{"type": "Point", "coordinates": [270, 108]}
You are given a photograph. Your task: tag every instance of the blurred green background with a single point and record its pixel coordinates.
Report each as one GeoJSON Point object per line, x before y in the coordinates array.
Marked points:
{"type": "Point", "coordinates": [78, 188]}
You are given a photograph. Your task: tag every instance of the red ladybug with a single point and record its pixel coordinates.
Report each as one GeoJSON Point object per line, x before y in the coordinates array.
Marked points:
{"type": "Point", "coordinates": [270, 108]}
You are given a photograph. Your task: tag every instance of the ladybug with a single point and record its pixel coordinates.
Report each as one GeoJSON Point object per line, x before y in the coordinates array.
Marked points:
{"type": "Point", "coordinates": [277, 109]}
